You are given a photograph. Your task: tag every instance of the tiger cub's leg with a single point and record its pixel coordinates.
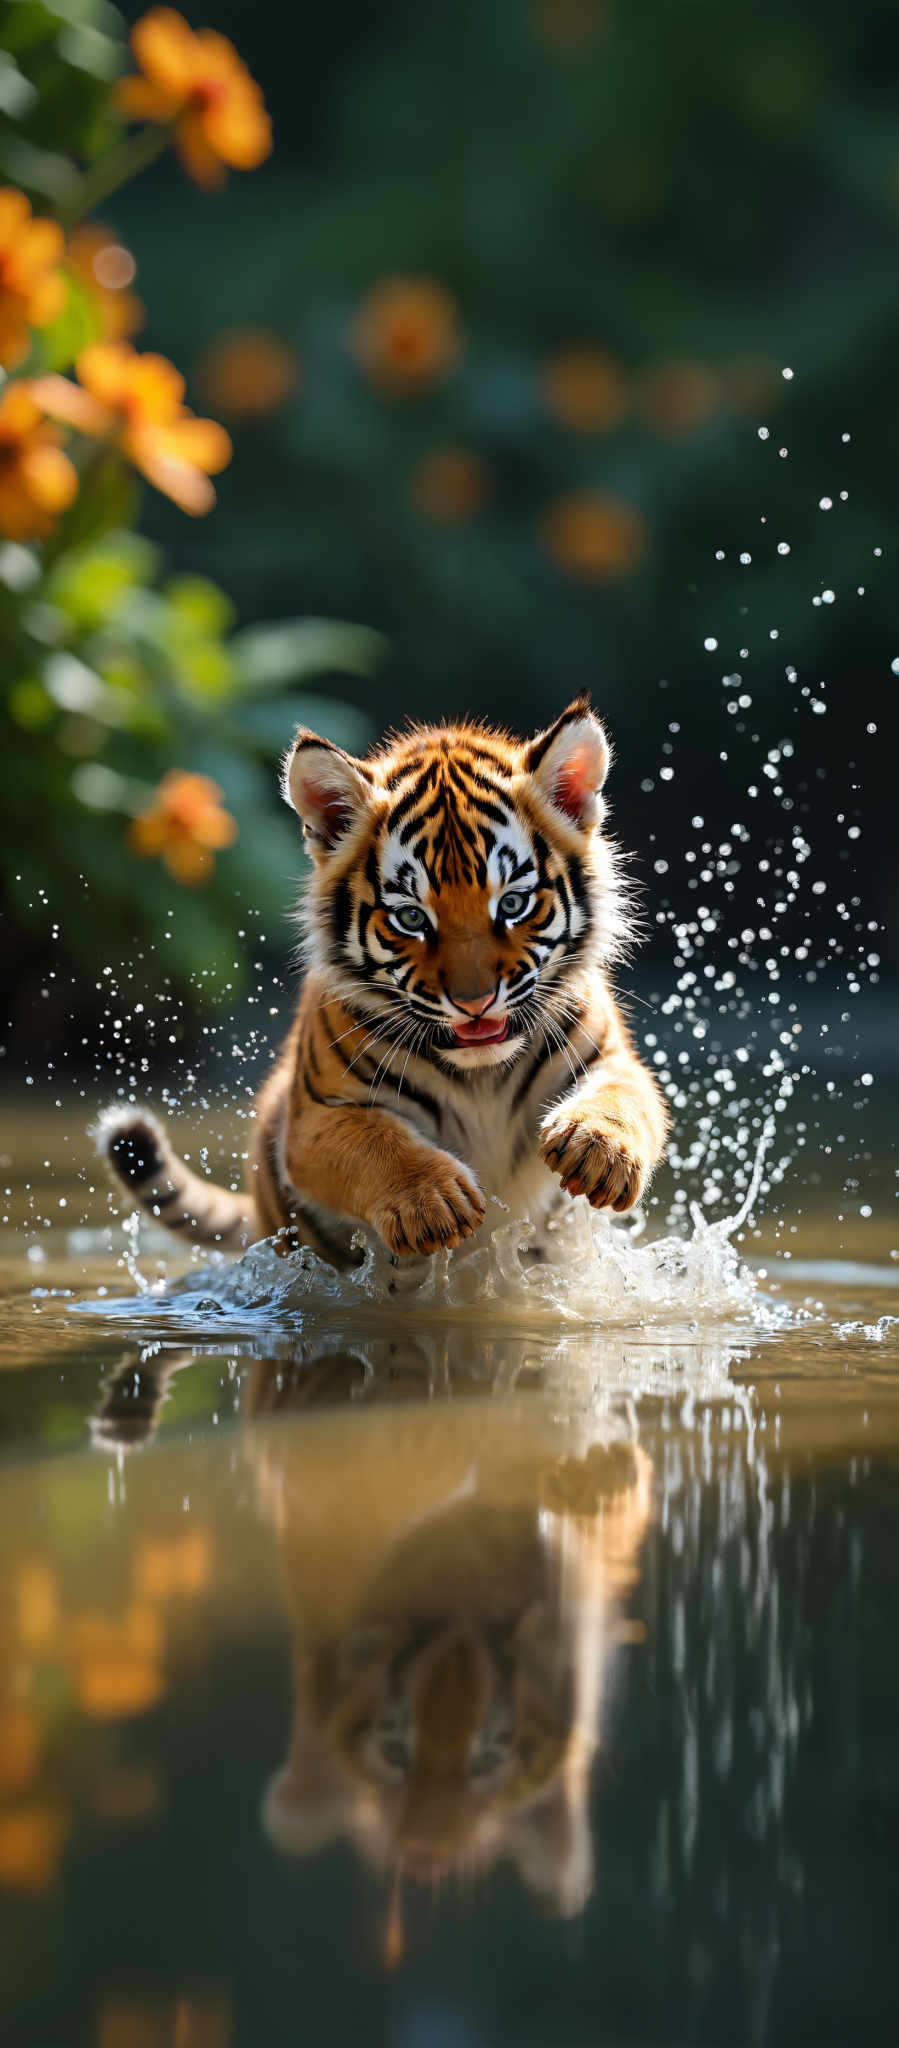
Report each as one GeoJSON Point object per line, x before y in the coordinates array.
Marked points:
{"type": "Point", "coordinates": [370, 1165]}
{"type": "Point", "coordinates": [606, 1136]}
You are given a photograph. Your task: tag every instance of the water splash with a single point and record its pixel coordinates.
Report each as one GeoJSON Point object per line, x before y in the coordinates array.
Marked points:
{"type": "Point", "coordinates": [600, 1274]}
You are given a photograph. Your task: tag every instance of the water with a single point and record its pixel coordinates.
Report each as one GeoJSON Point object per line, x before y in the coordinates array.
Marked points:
{"type": "Point", "coordinates": [437, 1668]}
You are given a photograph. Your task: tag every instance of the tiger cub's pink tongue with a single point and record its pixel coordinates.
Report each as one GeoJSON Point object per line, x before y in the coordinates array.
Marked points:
{"type": "Point", "coordinates": [481, 1031]}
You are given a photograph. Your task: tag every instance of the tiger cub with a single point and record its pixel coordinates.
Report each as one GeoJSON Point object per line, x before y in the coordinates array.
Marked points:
{"type": "Point", "coordinates": [455, 1037]}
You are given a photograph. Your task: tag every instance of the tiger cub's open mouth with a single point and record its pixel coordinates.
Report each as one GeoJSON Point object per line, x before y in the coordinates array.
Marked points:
{"type": "Point", "coordinates": [481, 1031]}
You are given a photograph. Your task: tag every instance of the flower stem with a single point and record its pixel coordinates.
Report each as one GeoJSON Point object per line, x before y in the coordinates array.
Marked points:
{"type": "Point", "coordinates": [118, 168]}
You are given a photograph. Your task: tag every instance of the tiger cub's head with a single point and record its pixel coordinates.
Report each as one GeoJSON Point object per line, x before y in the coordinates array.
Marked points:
{"type": "Point", "coordinates": [461, 879]}
{"type": "Point", "coordinates": [440, 1747]}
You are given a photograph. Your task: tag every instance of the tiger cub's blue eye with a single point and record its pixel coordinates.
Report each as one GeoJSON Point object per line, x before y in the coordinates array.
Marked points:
{"type": "Point", "coordinates": [410, 917]}
{"type": "Point", "coordinates": [512, 903]}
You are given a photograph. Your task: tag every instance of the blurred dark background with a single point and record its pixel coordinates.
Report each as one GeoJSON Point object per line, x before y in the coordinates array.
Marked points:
{"type": "Point", "coordinates": [566, 456]}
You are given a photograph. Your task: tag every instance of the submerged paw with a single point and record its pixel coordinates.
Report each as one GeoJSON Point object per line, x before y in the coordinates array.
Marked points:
{"type": "Point", "coordinates": [435, 1213]}
{"type": "Point", "coordinates": [595, 1162]}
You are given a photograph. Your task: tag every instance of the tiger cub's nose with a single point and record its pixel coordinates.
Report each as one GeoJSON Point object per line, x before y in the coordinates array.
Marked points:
{"type": "Point", "coordinates": [473, 1006]}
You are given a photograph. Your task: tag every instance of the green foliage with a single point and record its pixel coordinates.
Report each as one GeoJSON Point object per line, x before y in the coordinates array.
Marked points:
{"type": "Point", "coordinates": [115, 674]}
{"type": "Point", "coordinates": [56, 67]}
{"type": "Point", "coordinates": [116, 670]}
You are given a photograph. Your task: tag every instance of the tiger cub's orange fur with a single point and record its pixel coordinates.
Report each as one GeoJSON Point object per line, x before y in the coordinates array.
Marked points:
{"type": "Point", "coordinates": [456, 1037]}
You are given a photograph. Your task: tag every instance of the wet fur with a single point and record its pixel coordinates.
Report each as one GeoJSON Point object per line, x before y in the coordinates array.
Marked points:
{"type": "Point", "coordinates": [376, 1112]}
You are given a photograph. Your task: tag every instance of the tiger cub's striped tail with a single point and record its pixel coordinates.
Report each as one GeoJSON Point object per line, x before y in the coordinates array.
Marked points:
{"type": "Point", "coordinates": [143, 1162]}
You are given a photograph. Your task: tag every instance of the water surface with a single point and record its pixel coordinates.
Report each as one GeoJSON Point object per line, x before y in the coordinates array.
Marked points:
{"type": "Point", "coordinates": [383, 1674]}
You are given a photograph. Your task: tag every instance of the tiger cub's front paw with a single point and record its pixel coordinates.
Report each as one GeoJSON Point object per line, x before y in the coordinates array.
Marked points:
{"type": "Point", "coordinates": [436, 1208]}
{"type": "Point", "coordinates": [600, 1161]}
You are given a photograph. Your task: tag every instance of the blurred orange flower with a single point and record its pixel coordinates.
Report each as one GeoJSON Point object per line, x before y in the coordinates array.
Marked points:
{"type": "Point", "coordinates": [450, 485]}
{"type": "Point", "coordinates": [37, 480]}
{"type": "Point", "coordinates": [197, 83]}
{"type": "Point", "coordinates": [180, 1566]}
{"type": "Point", "coordinates": [585, 388]}
{"type": "Point", "coordinates": [186, 825]}
{"type": "Point", "coordinates": [107, 269]}
{"type": "Point", "coordinates": [594, 535]}
{"type": "Point", "coordinates": [136, 400]}
{"type": "Point", "coordinates": [679, 396]}
{"type": "Point", "coordinates": [32, 1840]}
{"type": "Point", "coordinates": [116, 1664]}
{"type": "Point", "coordinates": [248, 372]}
{"type": "Point", "coordinates": [406, 333]}
{"type": "Point", "coordinates": [194, 2022]}
{"type": "Point", "coordinates": [21, 1743]}
{"type": "Point", "coordinates": [32, 286]}
{"type": "Point", "coordinates": [37, 1606]}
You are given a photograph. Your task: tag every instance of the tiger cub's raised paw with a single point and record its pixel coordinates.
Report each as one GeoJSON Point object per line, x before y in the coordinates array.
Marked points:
{"type": "Point", "coordinates": [439, 1206]}
{"type": "Point", "coordinates": [599, 1161]}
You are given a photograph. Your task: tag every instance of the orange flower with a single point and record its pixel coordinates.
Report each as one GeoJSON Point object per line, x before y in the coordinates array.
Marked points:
{"type": "Point", "coordinates": [21, 1743]}
{"type": "Point", "coordinates": [197, 83]}
{"type": "Point", "coordinates": [594, 536]}
{"type": "Point", "coordinates": [37, 480]}
{"type": "Point", "coordinates": [136, 400]}
{"type": "Point", "coordinates": [450, 484]}
{"type": "Point", "coordinates": [585, 388]}
{"type": "Point", "coordinates": [116, 1663]}
{"type": "Point", "coordinates": [186, 825]}
{"type": "Point", "coordinates": [248, 373]}
{"type": "Point", "coordinates": [32, 1840]}
{"type": "Point", "coordinates": [99, 260]}
{"type": "Point", "coordinates": [406, 333]}
{"type": "Point", "coordinates": [32, 286]}
{"type": "Point", "coordinates": [677, 397]}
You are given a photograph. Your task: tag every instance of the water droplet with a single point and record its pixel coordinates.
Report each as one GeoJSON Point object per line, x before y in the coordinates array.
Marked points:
{"type": "Point", "coordinates": [828, 596]}
{"type": "Point", "coordinates": [787, 374]}
{"type": "Point", "coordinates": [783, 547]}
{"type": "Point", "coordinates": [745, 558]}
{"type": "Point", "coordinates": [710, 646]}
{"type": "Point", "coordinates": [763, 433]}
{"type": "Point", "coordinates": [825, 504]}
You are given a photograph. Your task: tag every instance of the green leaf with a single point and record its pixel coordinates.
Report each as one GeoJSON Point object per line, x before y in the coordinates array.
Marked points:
{"type": "Point", "coordinates": [88, 584]}
{"type": "Point", "coordinates": [203, 667]}
{"type": "Point", "coordinates": [107, 500]}
{"type": "Point", "coordinates": [201, 604]}
{"type": "Point", "coordinates": [272, 656]}
{"type": "Point", "coordinates": [42, 171]}
{"type": "Point", "coordinates": [29, 705]}
{"type": "Point", "coordinates": [17, 94]}
{"type": "Point", "coordinates": [56, 346]}
{"type": "Point", "coordinates": [267, 724]}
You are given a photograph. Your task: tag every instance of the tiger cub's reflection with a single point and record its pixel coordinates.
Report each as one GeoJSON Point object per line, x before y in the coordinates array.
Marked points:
{"type": "Point", "coordinates": [456, 1583]}
{"type": "Point", "coordinates": [456, 1571]}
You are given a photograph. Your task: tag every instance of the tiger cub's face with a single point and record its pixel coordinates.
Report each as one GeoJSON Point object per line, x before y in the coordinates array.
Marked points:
{"type": "Point", "coordinates": [448, 1717]}
{"type": "Point", "coordinates": [434, 1736]}
{"type": "Point", "coordinates": [461, 881]}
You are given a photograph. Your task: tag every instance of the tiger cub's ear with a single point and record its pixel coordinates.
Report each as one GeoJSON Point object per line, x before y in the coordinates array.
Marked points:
{"type": "Point", "coordinates": [569, 763]}
{"type": "Point", "coordinates": [327, 788]}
